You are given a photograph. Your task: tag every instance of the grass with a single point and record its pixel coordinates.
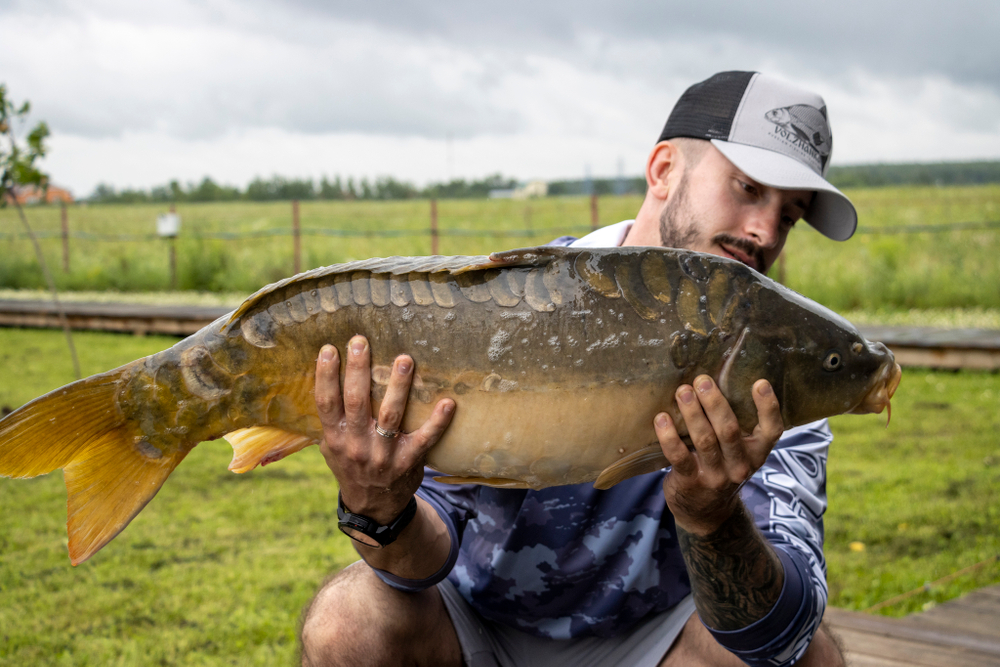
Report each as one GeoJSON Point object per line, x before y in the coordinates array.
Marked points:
{"type": "Point", "coordinates": [213, 572]}
{"type": "Point", "coordinates": [217, 568]}
{"type": "Point", "coordinates": [898, 272]}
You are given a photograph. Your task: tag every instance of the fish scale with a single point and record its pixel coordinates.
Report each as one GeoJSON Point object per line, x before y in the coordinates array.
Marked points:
{"type": "Point", "coordinates": [558, 360]}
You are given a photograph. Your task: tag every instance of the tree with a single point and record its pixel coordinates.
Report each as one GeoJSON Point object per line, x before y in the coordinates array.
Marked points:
{"type": "Point", "coordinates": [17, 170]}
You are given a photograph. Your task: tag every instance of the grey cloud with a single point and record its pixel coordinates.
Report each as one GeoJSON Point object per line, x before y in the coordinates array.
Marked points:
{"type": "Point", "coordinates": [956, 40]}
{"type": "Point", "coordinates": [383, 87]}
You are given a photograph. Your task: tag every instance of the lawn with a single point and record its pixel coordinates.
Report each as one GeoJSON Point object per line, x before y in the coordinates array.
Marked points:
{"type": "Point", "coordinates": [217, 568]}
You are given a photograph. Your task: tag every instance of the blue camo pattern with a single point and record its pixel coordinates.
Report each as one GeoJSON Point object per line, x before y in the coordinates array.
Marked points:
{"type": "Point", "coordinates": [574, 561]}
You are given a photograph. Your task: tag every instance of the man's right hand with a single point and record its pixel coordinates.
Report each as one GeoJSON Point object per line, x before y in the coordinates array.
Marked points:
{"type": "Point", "coordinates": [378, 475]}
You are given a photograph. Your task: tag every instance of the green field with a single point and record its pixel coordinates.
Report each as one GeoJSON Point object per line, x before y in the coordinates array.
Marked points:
{"type": "Point", "coordinates": [216, 569]}
{"type": "Point", "coordinates": [931, 269]}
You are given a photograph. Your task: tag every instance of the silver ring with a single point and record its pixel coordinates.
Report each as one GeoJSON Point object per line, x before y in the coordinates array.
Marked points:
{"type": "Point", "coordinates": [386, 434]}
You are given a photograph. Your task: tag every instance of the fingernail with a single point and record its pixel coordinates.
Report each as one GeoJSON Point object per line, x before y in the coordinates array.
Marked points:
{"type": "Point", "coordinates": [661, 420]}
{"type": "Point", "coordinates": [704, 385]}
{"type": "Point", "coordinates": [448, 408]}
{"type": "Point", "coordinates": [326, 354]}
{"type": "Point", "coordinates": [685, 394]}
{"type": "Point", "coordinates": [403, 367]}
{"type": "Point", "coordinates": [765, 389]}
{"type": "Point", "coordinates": [357, 346]}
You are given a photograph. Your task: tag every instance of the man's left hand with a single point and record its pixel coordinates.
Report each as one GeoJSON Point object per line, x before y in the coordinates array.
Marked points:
{"type": "Point", "coordinates": [702, 489]}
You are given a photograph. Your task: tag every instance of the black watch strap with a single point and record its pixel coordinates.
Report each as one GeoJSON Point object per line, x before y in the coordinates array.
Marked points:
{"type": "Point", "coordinates": [369, 532]}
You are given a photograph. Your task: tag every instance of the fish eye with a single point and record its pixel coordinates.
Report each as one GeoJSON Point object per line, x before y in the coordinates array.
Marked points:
{"type": "Point", "coordinates": [833, 361]}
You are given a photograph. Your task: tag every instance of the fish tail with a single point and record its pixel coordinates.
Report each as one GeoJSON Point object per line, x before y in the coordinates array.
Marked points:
{"type": "Point", "coordinates": [110, 471]}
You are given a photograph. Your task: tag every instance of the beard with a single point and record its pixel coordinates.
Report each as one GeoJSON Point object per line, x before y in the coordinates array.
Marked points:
{"type": "Point", "coordinates": [677, 226]}
{"type": "Point", "coordinates": [679, 229]}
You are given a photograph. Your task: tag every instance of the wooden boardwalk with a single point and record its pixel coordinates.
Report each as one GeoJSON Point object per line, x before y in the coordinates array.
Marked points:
{"type": "Point", "coordinates": [964, 632]}
{"type": "Point", "coordinates": [913, 346]}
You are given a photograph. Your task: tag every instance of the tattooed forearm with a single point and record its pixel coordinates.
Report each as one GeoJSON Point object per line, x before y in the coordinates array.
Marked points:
{"type": "Point", "coordinates": [735, 574]}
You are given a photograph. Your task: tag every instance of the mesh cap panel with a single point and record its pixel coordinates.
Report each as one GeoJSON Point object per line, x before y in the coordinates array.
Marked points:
{"type": "Point", "coordinates": [706, 110]}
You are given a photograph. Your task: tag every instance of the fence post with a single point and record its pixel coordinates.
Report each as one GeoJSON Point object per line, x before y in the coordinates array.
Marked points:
{"type": "Point", "coordinates": [593, 211]}
{"type": "Point", "coordinates": [296, 236]}
{"type": "Point", "coordinates": [173, 255]}
{"type": "Point", "coordinates": [434, 226]}
{"type": "Point", "coordinates": [65, 237]}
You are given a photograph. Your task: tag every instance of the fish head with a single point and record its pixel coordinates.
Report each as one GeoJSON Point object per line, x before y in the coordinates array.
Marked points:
{"type": "Point", "coordinates": [778, 116]}
{"type": "Point", "coordinates": [817, 362]}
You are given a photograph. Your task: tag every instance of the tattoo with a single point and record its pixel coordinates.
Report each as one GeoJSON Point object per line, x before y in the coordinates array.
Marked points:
{"type": "Point", "coordinates": [736, 576]}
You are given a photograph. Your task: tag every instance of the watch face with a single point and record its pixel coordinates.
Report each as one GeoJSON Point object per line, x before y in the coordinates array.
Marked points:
{"type": "Point", "coordinates": [355, 528]}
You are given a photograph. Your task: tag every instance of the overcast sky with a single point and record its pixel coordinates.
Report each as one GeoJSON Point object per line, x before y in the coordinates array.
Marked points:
{"type": "Point", "coordinates": [139, 93]}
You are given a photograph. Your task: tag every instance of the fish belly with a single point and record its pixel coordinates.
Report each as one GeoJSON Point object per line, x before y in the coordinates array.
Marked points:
{"type": "Point", "coordinates": [546, 438]}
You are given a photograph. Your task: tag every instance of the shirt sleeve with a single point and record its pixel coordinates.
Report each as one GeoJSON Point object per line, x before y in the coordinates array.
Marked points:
{"type": "Point", "coordinates": [455, 504]}
{"type": "Point", "coordinates": [787, 498]}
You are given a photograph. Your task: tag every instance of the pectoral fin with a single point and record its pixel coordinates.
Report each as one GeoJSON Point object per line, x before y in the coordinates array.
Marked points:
{"type": "Point", "coordinates": [497, 482]}
{"type": "Point", "coordinates": [260, 445]}
{"type": "Point", "coordinates": [647, 459]}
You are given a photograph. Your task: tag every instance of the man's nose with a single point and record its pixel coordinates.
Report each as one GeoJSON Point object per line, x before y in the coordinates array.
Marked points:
{"type": "Point", "coordinates": [764, 225]}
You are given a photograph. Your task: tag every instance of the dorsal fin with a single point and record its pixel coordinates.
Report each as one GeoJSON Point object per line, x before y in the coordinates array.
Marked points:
{"type": "Point", "coordinates": [454, 264]}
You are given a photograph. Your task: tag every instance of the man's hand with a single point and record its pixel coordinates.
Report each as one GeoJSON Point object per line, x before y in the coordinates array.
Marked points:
{"type": "Point", "coordinates": [378, 475]}
{"type": "Point", "coordinates": [702, 488]}
{"type": "Point", "coordinates": [736, 576]}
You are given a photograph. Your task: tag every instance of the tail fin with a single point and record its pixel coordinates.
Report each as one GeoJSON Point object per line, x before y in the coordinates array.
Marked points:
{"type": "Point", "coordinates": [110, 473]}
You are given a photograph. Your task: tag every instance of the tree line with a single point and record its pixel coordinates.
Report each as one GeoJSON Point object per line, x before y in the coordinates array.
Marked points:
{"type": "Point", "coordinates": [279, 188]}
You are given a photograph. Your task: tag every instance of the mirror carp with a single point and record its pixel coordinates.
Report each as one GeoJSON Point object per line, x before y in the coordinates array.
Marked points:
{"type": "Point", "coordinates": [557, 358]}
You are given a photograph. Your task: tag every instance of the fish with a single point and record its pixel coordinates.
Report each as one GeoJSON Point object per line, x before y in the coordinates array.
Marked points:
{"type": "Point", "coordinates": [558, 360]}
{"type": "Point", "coordinates": [806, 121]}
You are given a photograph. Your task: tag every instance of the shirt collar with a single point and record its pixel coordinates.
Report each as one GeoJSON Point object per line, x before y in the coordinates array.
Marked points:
{"type": "Point", "coordinates": [605, 237]}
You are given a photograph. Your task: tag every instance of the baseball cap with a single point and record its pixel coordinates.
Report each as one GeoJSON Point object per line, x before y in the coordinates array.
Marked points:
{"type": "Point", "coordinates": [774, 132]}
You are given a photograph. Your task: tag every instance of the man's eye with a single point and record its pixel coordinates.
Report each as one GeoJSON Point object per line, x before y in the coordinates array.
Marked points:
{"type": "Point", "coordinates": [749, 189]}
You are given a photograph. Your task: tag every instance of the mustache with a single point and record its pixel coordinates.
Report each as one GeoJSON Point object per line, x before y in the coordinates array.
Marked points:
{"type": "Point", "coordinates": [744, 245]}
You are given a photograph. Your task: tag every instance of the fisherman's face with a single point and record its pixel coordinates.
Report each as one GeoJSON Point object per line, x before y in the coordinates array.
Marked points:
{"type": "Point", "coordinates": [716, 208]}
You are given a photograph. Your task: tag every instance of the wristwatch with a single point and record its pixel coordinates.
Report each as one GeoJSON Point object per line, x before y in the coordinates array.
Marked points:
{"type": "Point", "coordinates": [367, 531]}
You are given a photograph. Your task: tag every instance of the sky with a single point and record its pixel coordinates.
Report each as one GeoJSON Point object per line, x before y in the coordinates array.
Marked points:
{"type": "Point", "coordinates": [137, 94]}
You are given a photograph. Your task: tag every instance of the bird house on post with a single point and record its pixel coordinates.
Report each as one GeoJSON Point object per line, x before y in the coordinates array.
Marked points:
{"type": "Point", "coordinates": [168, 225]}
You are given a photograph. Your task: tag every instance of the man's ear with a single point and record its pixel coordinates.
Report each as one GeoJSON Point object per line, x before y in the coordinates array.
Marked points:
{"type": "Point", "coordinates": [664, 159]}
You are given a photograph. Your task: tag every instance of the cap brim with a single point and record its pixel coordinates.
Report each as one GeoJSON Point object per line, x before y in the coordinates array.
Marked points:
{"type": "Point", "coordinates": [831, 212]}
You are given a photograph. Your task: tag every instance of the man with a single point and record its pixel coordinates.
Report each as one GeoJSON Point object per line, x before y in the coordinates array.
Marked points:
{"type": "Point", "coordinates": [572, 575]}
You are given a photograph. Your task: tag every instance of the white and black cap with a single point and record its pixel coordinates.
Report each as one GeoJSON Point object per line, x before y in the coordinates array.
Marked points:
{"type": "Point", "coordinates": [775, 133]}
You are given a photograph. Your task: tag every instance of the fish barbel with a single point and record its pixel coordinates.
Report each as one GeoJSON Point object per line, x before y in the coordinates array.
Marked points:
{"type": "Point", "coordinates": [557, 358]}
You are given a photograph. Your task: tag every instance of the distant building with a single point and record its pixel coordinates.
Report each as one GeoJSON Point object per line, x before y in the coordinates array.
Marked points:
{"type": "Point", "coordinates": [529, 190]}
{"type": "Point", "coordinates": [30, 194]}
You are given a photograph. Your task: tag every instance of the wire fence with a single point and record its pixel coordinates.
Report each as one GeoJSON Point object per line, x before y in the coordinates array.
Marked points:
{"type": "Point", "coordinates": [454, 232]}
{"type": "Point", "coordinates": [242, 246]}
{"type": "Point", "coordinates": [305, 231]}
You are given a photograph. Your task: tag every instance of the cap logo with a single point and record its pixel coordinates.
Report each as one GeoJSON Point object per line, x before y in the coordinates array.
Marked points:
{"type": "Point", "coordinates": [803, 127]}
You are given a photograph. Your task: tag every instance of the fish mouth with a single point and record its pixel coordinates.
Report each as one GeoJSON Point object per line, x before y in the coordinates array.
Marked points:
{"type": "Point", "coordinates": [882, 390]}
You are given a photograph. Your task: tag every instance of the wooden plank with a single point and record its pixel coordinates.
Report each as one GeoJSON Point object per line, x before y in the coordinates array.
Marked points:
{"type": "Point", "coordinates": [984, 360]}
{"type": "Point", "coordinates": [856, 660]}
{"type": "Point", "coordinates": [913, 346]}
{"type": "Point", "coordinates": [963, 620]}
{"type": "Point", "coordinates": [911, 652]}
{"type": "Point", "coordinates": [912, 630]}
{"type": "Point", "coordinates": [991, 591]}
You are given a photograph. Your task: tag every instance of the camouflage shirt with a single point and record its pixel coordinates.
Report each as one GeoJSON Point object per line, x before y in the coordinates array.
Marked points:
{"type": "Point", "coordinates": [573, 561]}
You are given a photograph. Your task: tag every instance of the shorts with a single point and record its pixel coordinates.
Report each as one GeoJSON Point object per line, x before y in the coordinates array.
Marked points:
{"type": "Point", "coordinates": [486, 643]}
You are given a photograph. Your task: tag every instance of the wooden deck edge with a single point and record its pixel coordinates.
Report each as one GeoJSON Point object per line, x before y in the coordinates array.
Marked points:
{"type": "Point", "coordinates": [900, 628]}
